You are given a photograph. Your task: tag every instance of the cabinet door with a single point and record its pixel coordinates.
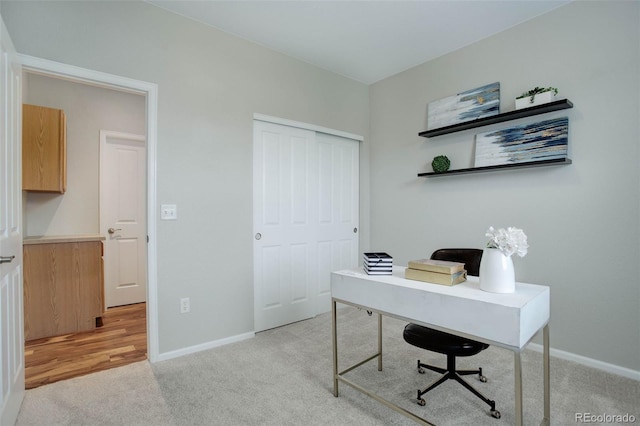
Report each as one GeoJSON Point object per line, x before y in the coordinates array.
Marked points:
{"type": "Point", "coordinates": [50, 290]}
{"type": "Point", "coordinates": [44, 158]}
{"type": "Point", "coordinates": [62, 288]}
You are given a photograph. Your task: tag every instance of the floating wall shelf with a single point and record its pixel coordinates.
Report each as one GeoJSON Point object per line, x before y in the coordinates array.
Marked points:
{"type": "Point", "coordinates": [499, 118]}
{"type": "Point", "coordinates": [555, 162]}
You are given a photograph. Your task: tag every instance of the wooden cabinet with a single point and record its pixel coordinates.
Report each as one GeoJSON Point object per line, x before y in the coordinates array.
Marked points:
{"type": "Point", "coordinates": [63, 287]}
{"type": "Point", "coordinates": [44, 149]}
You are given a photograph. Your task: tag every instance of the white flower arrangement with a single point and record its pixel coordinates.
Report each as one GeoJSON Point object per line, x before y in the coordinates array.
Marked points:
{"type": "Point", "coordinates": [508, 241]}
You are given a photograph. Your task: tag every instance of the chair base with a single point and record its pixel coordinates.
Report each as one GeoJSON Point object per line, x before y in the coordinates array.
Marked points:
{"type": "Point", "coordinates": [450, 373]}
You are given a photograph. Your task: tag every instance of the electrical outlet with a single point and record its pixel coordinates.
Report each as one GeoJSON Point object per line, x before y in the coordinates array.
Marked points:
{"type": "Point", "coordinates": [185, 305]}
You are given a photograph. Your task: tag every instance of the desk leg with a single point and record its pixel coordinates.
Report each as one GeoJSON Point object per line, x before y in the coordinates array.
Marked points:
{"type": "Point", "coordinates": [379, 342]}
{"type": "Point", "coordinates": [518, 386]}
{"type": "Point", "coordinates": [334, 327]}
{"type": "Point", "coordinates": [547, 375]}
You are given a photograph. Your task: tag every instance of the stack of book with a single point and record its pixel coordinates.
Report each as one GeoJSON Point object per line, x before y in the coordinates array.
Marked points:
{"type": "Point", "coordinates": [436, 271]}
{"type": "Point", "coordinates": [377, 263]}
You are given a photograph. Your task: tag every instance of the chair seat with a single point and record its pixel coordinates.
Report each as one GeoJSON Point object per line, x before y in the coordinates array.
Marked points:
{"type": "Point", "coordinates": [438, 341]}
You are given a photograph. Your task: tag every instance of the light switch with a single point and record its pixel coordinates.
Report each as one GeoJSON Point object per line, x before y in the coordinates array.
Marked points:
{"type": "Point", "coordinates": [168, 212]}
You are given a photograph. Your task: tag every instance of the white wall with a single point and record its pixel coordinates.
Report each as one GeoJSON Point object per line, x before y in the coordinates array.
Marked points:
{"type": "Point", "coordinates": [209, 86]}
{"type": "Point", "coordinates": [582, 220]}
{"type": "Point", "coordinates": [88, 110]}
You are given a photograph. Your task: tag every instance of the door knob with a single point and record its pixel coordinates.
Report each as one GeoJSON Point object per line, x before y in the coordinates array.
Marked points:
{"type": "Point", "coordinates": [6, 259]}
{"type": "Point", "coordinates": [112, 231]}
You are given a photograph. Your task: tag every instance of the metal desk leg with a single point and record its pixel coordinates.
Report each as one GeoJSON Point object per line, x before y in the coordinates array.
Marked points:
{"type": "Point", "coordinates": [518, 386]}
{"type": "Point", "coordinates": [547, 376]}
{"type": "Point", "coordinates": [334, 327]}
{"type": "Point", "coordinates": [339, 376]}
{"type": "Point", "coordinates": [379, 342]}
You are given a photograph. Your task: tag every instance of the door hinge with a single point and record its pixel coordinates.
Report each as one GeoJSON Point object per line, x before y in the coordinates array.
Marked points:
{"type": "Point", "coordinates": [147, 239]}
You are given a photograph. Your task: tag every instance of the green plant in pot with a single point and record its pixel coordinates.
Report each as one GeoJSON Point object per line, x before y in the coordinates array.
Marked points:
{"type": "Point", "coordinates": [531, 94]}
{"type": "Point", "coordinates": [440, 163]}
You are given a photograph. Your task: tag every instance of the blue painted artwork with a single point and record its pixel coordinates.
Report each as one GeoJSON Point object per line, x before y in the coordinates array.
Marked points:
{"type": "Point", "coordinates": [466, 106]}
{"type": "Point", "coordinates": [545, 140]}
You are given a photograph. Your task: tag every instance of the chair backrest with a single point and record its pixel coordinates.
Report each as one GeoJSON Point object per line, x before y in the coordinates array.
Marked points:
{"type": "Point", "coordinates": [469, 256]}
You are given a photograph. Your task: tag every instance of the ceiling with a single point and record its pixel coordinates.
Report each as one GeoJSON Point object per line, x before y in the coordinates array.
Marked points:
{"type": "Point", "coordinates": [363, 40]}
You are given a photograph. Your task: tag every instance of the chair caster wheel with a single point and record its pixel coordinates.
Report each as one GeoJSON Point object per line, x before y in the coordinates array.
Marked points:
{"type": "Point", "coordinates": [421, 370]}
{"type": "Point", "coordinates": [422, 403]}
{"type": "Point", "coordinates": [495, 414]}
{"type": "Point", "coordinates": [483, 379]}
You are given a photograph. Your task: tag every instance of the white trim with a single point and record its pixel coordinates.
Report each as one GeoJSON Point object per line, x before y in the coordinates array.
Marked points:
{"type": "Point", "coordinates": [87, 76]}
{"type": "Point", "coordinates": [306, 126]}
{"type": "Point", "coordinates": [150, 91]}
{"type": "Point", "coordinates": [590, 362]}
{"type": "Point", "coordinates": [205, 346]}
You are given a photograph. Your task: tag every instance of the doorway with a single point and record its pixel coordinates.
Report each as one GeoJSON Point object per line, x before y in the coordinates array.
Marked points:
{"type": "Point", "coordinates": [88, 109]}
{"type": "Point", "coordinates": [150, 93]}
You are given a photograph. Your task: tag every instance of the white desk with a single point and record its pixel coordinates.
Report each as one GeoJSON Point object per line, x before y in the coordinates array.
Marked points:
{"type": "Point", "coordinates": [506, 320]}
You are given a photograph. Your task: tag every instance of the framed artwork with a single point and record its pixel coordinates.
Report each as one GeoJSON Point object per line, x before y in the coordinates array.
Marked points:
{"type": "Point", "coordinates": [466, 106]}
{"type": "Point", "coordinates": [545, 140]}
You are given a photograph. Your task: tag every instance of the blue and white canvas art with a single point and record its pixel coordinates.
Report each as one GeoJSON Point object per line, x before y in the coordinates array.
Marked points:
{"type": "Point", "coordinates": [545, 140]}
{"type": "Point", "coordinates": [466, 106]}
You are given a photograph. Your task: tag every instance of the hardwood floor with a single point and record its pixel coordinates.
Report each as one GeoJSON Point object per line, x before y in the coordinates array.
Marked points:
{"type": "Point", "coordinates": [120, 341]}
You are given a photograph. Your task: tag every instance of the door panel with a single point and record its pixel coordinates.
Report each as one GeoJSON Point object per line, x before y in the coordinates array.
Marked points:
{"type": "Point", "coordinates": [123, 209]}
{"type": "Point", "coordinates": [338, 205]}
{"type": "Point", "coordinates": [283, 212]}
{"type": "Point", "coordinates": [11, 284]}
{"type": "Point", "coordinates": [299, 289]}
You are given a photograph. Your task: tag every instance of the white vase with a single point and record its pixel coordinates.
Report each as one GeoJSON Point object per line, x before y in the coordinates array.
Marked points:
{"type": "Point", "coordinates": [496, 272]}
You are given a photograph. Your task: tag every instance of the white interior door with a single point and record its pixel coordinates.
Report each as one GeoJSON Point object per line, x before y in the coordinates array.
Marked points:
{"type": "Point", "coordinates": [123, 212]}
{"type": "Point", "coordinates": [305, 220]}
{"type": "Point", "coordinates": [11, 292]}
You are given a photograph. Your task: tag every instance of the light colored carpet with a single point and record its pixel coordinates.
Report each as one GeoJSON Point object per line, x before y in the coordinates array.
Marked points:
{"type": "Point", "coordinates": [283, 377]}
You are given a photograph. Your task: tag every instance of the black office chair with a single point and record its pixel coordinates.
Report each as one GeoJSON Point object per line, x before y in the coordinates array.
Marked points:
{"type": "Point", "coordinates": [448, 344]}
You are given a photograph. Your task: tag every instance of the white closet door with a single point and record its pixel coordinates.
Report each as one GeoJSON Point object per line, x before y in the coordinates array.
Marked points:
{"type": "Point", "coordinates": [338, 211]}
{"type": "Point", "coordinates": [306, 192]}
{"type": "Point", "coordinates": [285, 211]}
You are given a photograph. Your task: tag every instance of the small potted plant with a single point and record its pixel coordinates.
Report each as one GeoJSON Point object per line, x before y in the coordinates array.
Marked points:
{"type": "Point", "coordinates": [536, 96]}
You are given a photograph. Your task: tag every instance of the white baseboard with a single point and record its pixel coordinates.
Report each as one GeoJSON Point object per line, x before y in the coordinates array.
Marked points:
{"type": "Point", "coordinates": [204, 346]}
{"type": "Point", "coordinates": [589, 362]}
